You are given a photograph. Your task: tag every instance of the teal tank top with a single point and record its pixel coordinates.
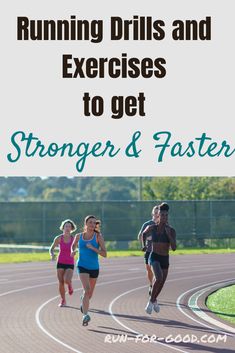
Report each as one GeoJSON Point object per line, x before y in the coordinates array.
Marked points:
{"type": "Point", "coordinates": [87, 257]}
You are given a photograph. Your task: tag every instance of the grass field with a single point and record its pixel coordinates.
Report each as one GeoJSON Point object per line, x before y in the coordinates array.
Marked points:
{"type": "Point", "coordinates": [16, 257]}
{"type": "Point", "coordinates": [222, 303]}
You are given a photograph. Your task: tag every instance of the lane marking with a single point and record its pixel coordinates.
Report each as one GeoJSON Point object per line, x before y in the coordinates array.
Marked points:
{"type": "Point", "coordinates": [190, 317]}
{"type": "Point", "coordinates": [45, 284]}
{"type": "Point", "coordinates": [193, 304]}
{"type": "Point", "coordinates": [130, 329]}
{"type": "Point", "coordinates": [74, 279]}
{"type": "Point", "coordinates": [132, 290]}
{"type": "Point", "coordinates": [36, 286]}
{"type": "Point", "coordinates": [37, 314]}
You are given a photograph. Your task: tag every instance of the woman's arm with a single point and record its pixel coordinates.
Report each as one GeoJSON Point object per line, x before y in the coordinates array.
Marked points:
{"type": "Point", "coordinates": [75, 244]}
{"type": "Point", "coordinates": [145, 234]}
{"type": "Point", "coordinates": [53, 246]}
{"type": "Point", "coordinates": [171, 236]}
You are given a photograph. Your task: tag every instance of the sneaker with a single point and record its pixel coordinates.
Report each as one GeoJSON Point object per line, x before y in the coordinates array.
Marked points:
{"type": "Point", "coordinates": [156, 307]}
{"type": "Point", "coordinates": [62, 303]}
{"type": "Point", "coordinates": [86, 318]}
{"type": "Point", "coordinates": [70, 288]}
{"type": "Point", "coordinates": [150, 289]}
{"type": "Point", "coordinates": [149, 308]}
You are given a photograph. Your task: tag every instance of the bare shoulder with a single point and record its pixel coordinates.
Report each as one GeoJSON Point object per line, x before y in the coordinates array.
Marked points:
{"type": "Point", "coordinates": [77, 236]}
{"type": "Point", "coordinates": [57, 238]}
{"type": "Point", "coordinates": [171, 230]}
{"type": "Point", "coordinates": [99, 236]}
{"type": "Point", "coordinates": [149, 228]}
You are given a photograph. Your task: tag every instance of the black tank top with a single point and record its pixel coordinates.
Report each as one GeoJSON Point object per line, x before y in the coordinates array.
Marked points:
{"type": "Point", "coordinates": [159, 238]}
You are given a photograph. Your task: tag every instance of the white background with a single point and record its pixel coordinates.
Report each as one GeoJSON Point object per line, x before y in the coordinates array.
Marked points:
{"type": "Point", "coordinates": [196, 96]}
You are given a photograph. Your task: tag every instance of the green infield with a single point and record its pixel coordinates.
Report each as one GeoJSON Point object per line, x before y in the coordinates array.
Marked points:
{"type": "Point", "coordinates": [222, 303]}
{"type": "Point", "coordinates": [16, 257]}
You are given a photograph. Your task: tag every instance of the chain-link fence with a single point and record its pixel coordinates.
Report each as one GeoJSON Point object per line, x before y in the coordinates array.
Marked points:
{"type": "Point", "coordinates": [196, 222]}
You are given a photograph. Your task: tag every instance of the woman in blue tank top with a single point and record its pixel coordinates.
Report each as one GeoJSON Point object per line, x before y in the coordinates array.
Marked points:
{"type": "Point", "coordinates": [90, 244]}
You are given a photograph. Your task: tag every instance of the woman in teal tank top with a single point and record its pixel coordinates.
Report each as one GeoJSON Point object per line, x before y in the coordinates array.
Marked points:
{"type": "Point", "coordinates": [90, 244]}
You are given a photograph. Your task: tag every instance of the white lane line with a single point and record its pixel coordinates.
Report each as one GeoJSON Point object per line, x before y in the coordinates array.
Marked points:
{"type": "Point", "coordinates": [27, 288]}
{"type": "Point", "coordinates": [54, 268]}
{"type": "Point", "coordinates": [53, 276]}
{"type": "Point", "coordinates": [101, 272]}
{"type": "Point", "coordinates": [189, 316]}
{"type": "Point", "coordinates": [37, 314]}
{"type": "Point", "coordinates": [193, 304]}
{"type": "Point", "coordinates": [135, 269]}
{"type": "Point", "coordinates": [37, 318]}
{"type": "Point", "coordinates": [51, 283]}
{"type": "Point", "coordinates": [28, 279]}
{"type": "Point", "coordinates": [48, 283]}
{"type": "Point", "coordinates": [130, 329]}
{"type": "Point", "coordinates": [132, 290]}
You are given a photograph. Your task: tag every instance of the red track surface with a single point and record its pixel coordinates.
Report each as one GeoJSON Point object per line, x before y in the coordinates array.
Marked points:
{"type": "Point", "coordinates": [31, 321]}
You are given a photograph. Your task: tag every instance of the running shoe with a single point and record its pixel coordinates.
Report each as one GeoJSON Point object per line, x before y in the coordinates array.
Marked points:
{"type": "Point", "coordinates": [86, 318]}
{"type": "Point", "coordinates": [156, 307]}
{"type": "Point", "coordinates": [62, 303]}
{"type": "Point", "coordinates": [70, 288]}
{"type": "Point", "coordinates": [150, 289]}
{"type": "Point", "coordinates": [149, 308]}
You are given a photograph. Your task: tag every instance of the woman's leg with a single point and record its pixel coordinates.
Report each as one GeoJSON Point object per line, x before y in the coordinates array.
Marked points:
{"type": "Point", "coordinates": [85, 279]}
{"type": "Point", "coordinates": [60, 276]}
{"type": "Point", "coordinates": [92, 286]}
{"type": "Point", "coordinates": [68, 279]}
{"type": "Point", "coordinates": [149, 274]}
{"type": "Point", "coordinates": [159, 289]}
{"type": "Point", "coordinates": [158, 280]}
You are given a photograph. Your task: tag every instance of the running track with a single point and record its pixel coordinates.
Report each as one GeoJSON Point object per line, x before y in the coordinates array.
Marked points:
{"type": "Point", "coordinates": [31, 321]}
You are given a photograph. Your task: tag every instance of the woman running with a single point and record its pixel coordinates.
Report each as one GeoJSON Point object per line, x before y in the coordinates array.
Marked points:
{"type": "Point", "coordinates": [90, 244]}
{"type": "Point", "coordinates": [163, 238]}
{"type": "Point", "coordinates": [98, 226]}
{"type": "Point", "coordinates": [147, 246]}
{"type": "Point", "coordinates": [65, 262]}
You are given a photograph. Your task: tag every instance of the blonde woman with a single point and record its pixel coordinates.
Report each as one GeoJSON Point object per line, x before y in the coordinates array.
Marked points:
{"type": "Point", "coordinates": [65, 262]}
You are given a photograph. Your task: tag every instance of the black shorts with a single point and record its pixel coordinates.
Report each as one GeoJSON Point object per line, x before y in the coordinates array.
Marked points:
{"type": "Point", "coordinates": [92, 273]}
{"type": "Point", "coordinates": [64, 266]}
{"type": "Point", "coordinates": [162, 259]}
{"type": "Point", "coordinates": [146, 257]}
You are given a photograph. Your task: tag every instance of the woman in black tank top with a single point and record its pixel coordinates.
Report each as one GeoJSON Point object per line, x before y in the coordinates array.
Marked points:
{"type": "Point", "coordinates": [163, 238]}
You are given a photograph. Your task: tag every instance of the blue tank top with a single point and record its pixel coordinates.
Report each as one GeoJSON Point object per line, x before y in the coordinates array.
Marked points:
{"type": "Point", "coordinates": [87, 257]}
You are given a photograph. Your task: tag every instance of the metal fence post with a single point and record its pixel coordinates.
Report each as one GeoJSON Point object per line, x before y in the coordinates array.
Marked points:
{"type": "Point", "coordinates": [43, 222]}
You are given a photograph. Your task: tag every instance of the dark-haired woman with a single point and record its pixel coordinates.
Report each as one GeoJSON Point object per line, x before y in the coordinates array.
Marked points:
{"type": "Point", "coordinates": [65, 262]}
{"type": "Point", "coordinates": [90, 244]}
{"type": "Point", "coordinates": [163, 238]}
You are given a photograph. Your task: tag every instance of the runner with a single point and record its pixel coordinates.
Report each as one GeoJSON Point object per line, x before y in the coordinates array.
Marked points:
{"type": "Point", "coordinates": [147, 246]}
{"type": "Point", "coordinates": [65, 263]}
{"type": "Point", "coordinates": [98, 226]}
{"type": "Point", "coordinates": [163, 238]}
{"type": "Point", "coordinates": [90, 244]}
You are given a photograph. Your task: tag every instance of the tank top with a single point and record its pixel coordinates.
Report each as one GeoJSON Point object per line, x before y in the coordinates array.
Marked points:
{"type": "Point", "coordinates": [159, 238]}
{"type": "Point", "coordinates": [65, 252]}
{"type": "Point", "coordinates": [87, 257]}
